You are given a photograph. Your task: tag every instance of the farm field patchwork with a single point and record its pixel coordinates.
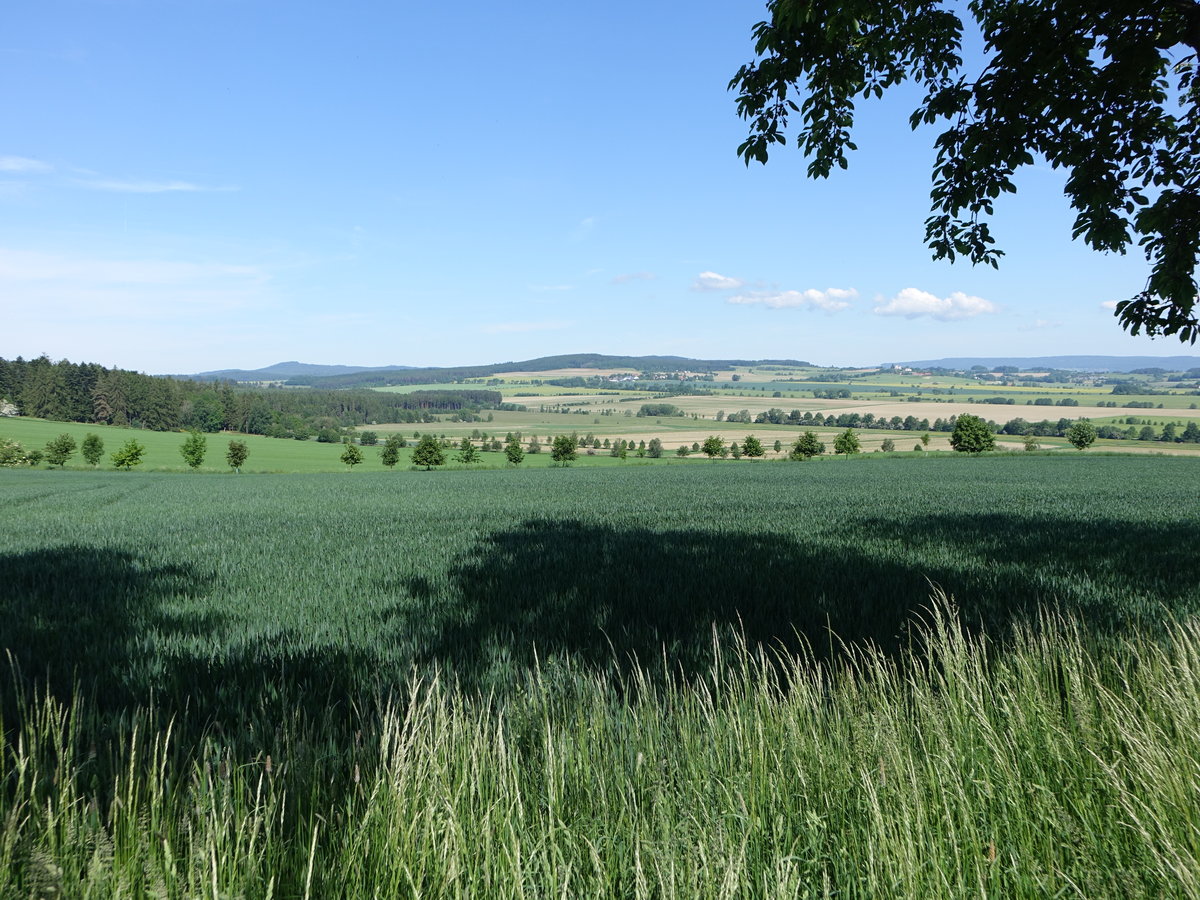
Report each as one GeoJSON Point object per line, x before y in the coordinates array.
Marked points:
{"type": "Point", "coordinates": [613, 683]}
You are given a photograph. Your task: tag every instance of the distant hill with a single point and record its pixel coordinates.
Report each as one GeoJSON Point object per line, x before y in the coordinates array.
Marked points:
{"type": "Point", "coordinates": [442, 375]}
{"type": "Point", "coordinates": [285, 370]}
{"type": "Point", "coordinates": [1082, 363]}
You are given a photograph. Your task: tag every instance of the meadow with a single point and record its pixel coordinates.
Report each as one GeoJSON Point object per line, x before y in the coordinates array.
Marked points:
{"type": "Point", "coordinates": [710, 680]}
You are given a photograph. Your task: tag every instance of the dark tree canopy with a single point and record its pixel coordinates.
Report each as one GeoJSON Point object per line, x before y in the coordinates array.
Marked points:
{"type": "Point", "coordinates": [1102, 88]}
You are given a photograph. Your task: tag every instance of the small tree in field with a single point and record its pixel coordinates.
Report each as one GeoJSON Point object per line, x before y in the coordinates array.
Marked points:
{"type": "Point", "coordinates": [513, 452]}
{"type": "Point", "coordinates": [888, 445]}
{"type": "Point", "coordinates": [806, 447]}
{"type": "Point", "coordinates": [1031, 443]}
{"type": "Point", "coordinates": [562, 450]}
{"type": "Point", "coordinates": [972, 435]}
{"type": "Point", "coordinates": [236, 455]}
{"type": "Point", "coordinates": [193, 449]}
{"type": "Point", "coordinates": [128, 456]}
{"type": "Point", "coordinates": [351, 455]}
{"type": "Point", "coordinates": [713, 447]}
{"type": "Point", "coordinates": [467, 453]}
{"type": "Point", "coordinates": [59, 450]}
{"type": "Point", "coordinates": [752, 447]}
{"type": "Point", "coordinates": [683, 451]}
{"type": "Point", "coordinates": [1082, 435]}
{"type": "Point", "coordinates": [847, 443]}
{"type": "Point", "coordinates": [735, 450]}
{"type": "Point", "coordinates": [428, 453]}
{"type": "Point", "coordinates": [390, 454]}
{"type": "Point", "coordinates": [654, 449]}
{"type": "Point", "coordinates": [92, 449]}
{"type": "Point", "coordinates": [778, 446]}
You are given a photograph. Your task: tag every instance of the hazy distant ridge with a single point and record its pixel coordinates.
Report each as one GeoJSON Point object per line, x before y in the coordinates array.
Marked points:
{"type": "Point", "coordinates": [284, 370]}
{"type": "Point", "coordinates": [345, 376]}
{"type": "Point", "coordinates": [1087, 363]}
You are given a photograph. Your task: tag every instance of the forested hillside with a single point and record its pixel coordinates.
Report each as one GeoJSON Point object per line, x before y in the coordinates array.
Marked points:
{"type": "Point", "coordinates": [88, 392]}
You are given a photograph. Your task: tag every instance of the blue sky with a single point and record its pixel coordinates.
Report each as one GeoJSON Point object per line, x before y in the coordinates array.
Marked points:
{"type": "Point", "coordinates": [199, 184]}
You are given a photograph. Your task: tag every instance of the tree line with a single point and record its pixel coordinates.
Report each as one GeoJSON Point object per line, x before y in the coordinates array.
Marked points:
{"type": "Point", "coordinates": [90, 393]}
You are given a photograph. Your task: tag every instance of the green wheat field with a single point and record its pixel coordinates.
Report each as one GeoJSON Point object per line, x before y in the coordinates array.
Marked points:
{"type": "Point", "coordinates": [884, 677]}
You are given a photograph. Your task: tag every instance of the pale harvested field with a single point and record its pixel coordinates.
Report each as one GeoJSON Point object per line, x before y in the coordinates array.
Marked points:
{"type": "Point", "coordinates": [566, 373]}
{"type": "Point", "coordinates": [512, 394]}
{"type": "Point", "coordinates": [997, 412]}
{"type": "Point", "coordinates": [708, 407]}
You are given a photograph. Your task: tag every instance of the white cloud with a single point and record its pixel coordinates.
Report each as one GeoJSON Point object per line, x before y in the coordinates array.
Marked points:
{"type": "Point", "coordinates": [1109, 304]}
{"type": "Point", "coordinates": [634, 276]}
{"type": "Point", "coordinates": [912, 303]}
{"type": "Point", "coordinates": [23, 164]}
{"type": "Point", "coordinates": [150, 187]}
{"type": "Point", "coordinates": [711, 281]}
{"type": "Point", "coordinates": [522, 327]}
{"type": "Point", "coordinates": [830, 300]}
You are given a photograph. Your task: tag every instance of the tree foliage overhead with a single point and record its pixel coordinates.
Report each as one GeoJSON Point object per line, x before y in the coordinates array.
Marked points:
{"type": "Point", "coordinates": [1105, 89]}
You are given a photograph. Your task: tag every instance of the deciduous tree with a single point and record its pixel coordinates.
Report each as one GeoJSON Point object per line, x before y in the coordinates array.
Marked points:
{"type": "Point", "coordinates": [513, 452]}
{"type": "Point", "coordinates": [806, 446]}
{"type": "Point", "coordinates": [467, 453]}
{"type": "Point", "coordinates": [428, 453]}
{"type": "Point", "coordinates": [236, 455]}
{"type": "Point", "coordinates": [128, 456]}
{"type": "Point", "coordinates": [713, 447]}
{"type": "Point", "coordinates": [1082, 435]}
{"type": "Point", "coordinates": [390, 454]}
{"type": "Point", "coordinates": [972, 435]}
{"type": "Point", "coordinates": [92, 449]}
{"type": "Point", "coordinates": [562, 450]}
{"type": "Point", "coordinates": [351, 455]}
{"type": "Point", "coordinates": [1104, 90]}
{"type": "Point", "coordinates": [846, 443]}
{"type": "Point", "coordinates": [195, 445]}
{"type": "Point", "coordinates": [59, 450]}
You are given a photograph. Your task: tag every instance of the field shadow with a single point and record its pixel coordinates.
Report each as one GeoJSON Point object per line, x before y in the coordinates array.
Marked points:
{"type": "Point", "coordinates": [1109, 574]}
{"type": "Point", "coordinates": [550, 592]}
{"type": "Point", "coordinates": [604, 596]}
{"type": "Point", "coordinates": [78, 615]}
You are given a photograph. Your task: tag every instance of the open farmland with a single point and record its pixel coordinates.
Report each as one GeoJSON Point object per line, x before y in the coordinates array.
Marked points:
{"type": "Point", "coordinates": [590, 682]}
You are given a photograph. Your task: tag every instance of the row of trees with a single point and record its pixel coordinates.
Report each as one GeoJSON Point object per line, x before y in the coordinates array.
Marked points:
{"type": "Point", "coordinates": [59, 451]}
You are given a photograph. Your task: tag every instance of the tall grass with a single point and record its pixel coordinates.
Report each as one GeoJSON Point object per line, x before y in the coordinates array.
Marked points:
{"type": "Point", "coordinates": [954, 770]}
